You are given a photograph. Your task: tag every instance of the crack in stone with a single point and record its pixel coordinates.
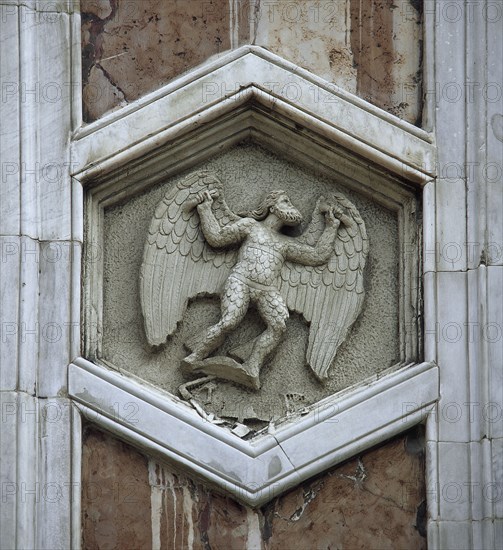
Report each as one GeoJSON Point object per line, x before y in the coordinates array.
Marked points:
{"type": "Point", "coordinates": [359, 478]}
{"type": "Point", "coordinates": [360, 474]}
{"type": "Point", "coordinates": [256, 20]}
{"type": "Point", "coordinates": [110, 79]}
{"type": "Point", "coordinates": [393, 503]}
{"type": "Point", "coordinates": [309, 495]}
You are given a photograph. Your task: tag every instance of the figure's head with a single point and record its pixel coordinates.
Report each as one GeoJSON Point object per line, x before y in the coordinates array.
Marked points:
{"type": "Point", "coordinates": [278, 203]}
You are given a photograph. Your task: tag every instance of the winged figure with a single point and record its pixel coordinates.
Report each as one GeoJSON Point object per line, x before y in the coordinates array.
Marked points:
{"type": "Point", "coordinates": [197, 246]}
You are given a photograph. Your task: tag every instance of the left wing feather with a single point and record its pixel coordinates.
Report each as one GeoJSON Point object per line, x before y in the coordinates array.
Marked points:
{"type": "Point", "coordinates": [178, 264]}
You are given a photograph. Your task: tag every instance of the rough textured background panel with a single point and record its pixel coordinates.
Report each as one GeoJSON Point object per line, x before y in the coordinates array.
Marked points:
{"type": "Point", "coordinates": [371, 48]}
{"type": "Point", "coordinates": [248, 173]}
{"type": "Point", "coordinates": [375, 500]}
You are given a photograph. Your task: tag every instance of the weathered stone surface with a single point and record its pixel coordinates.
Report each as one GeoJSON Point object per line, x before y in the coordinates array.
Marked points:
{"type": "Point", "coordinates": [373, 501]}
{"type": "Point", "coordinates": [115, 495]}
{"type": "Point", "coordinates": [99, 93]}
{"type": "Point", "coordinates": [372, 44]}
{"type": "Point", "coordinates": [386, 41]}
{"type": "Point", "coordinates": [140, 45]}
{"type": "Point", "coordinates": [372, 48]}
{"type": "Point", "coordinates": [314, 34]}
{"type": "Point", "coordinates": [187, 515]}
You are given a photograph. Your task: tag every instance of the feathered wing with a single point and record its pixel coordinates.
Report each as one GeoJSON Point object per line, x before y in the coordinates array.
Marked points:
{"type": "Point", "coordinates": [330, 297]}
{"type": "Point", "coordinates": [178, 263]}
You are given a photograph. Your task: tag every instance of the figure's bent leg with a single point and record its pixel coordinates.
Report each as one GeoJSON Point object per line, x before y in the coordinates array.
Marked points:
{"type": "Point", "coordinates": [273, 310]}
{"type": "Point", "coordinates": [234, 305]}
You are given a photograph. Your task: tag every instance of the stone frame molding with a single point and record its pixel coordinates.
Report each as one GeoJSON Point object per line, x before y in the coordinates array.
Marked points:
{"type": "Point", "coordinates": [333, 134]}
{"type": "Point", "coordinates": [254, 471]}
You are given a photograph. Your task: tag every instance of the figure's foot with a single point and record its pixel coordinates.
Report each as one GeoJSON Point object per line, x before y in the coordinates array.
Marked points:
{"type": "Point", "coordinates": [243, 351]}
{"type": "Point", "coordinates": [191, 361]}
{"type": "Point", "coordinates": [253, 372]}
{"type": "Point", "coordinates": [225, 368]}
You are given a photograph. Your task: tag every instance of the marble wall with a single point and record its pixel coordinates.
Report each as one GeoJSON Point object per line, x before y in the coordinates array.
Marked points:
{"type": "Point", "coordinates": [371, 48]}
{"type": "Point", "coordinates": [376, 500]}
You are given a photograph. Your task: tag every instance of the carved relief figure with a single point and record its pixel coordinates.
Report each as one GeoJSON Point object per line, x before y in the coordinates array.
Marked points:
{"type": "Point", "coordinates": [197, 245]}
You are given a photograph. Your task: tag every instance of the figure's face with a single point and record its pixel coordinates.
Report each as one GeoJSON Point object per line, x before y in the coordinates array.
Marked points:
{"type": "Point", "coordinates": [286, 211]}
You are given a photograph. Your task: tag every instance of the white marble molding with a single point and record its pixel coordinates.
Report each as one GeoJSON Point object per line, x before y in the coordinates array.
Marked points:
{"type": "Point", "coordinates": [342, 136]}
{"type": "Point", "coordinates": [258, 470]}
{"type": "Point", "coordinates": [219, 86]}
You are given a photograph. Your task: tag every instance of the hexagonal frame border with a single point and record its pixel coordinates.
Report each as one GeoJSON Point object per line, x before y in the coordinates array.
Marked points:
{"type": "Point", "coordinates": [377, 154]}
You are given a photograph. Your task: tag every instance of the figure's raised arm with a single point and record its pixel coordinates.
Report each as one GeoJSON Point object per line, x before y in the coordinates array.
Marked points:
{"type": "Point", "coordinates": [216, 235]}
{"type": "Point", "coordinates": [319, 254]}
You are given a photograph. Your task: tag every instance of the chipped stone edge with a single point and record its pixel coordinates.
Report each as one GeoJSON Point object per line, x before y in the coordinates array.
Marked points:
{"type": "Point", "coordinates": [258, 470]}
